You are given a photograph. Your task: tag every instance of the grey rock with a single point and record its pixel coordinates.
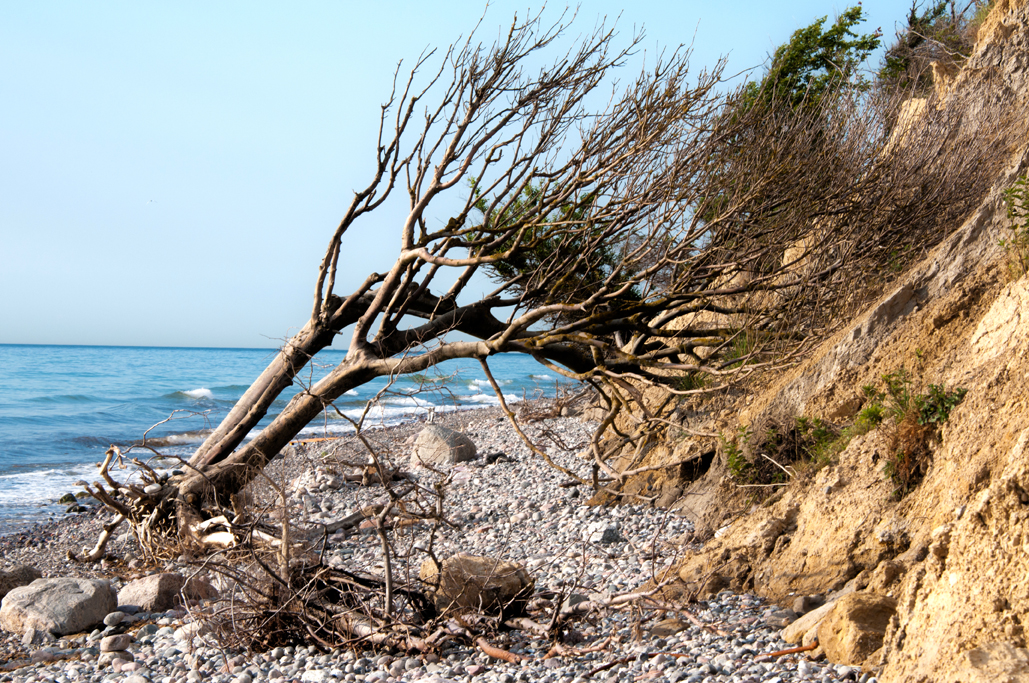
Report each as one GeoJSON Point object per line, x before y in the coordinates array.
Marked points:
{"type": "Point", "coordinates": [21, 575]}
{"type": "Point", "coordinates": [438, 446]}
{"type": "Point", "coordinates": [36, 637]}
{"type": "Point", "coordinates": [154, 593]}
{"type": "Point", "coordinates": [806, 603]}
{"type": "Point", "coordinates": [58, 606]}
{"type": "Point", "coordinates": [106, 658]}
{"type": "Point", "coordinates": [471, 582]}
{"type": "Point", "coordinates": [116, 643]}
{"type": "Point", "coordinates": [607, 535]}
{"type": "Point", "coordinates": [114, 618]}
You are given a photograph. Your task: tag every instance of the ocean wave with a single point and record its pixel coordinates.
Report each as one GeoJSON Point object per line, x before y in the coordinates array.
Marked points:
{"type": "Point", "coordinates": [483, 383]}
{"type": "Point", "coordinates": [193, 436]}
{"type": "Point", "coordinates": [199, 393]}
{"type": "Point", "coordinates": [543, 376]}
{"type": "Point", "coordinates": [202, 393]}
{"type": "Point", "coordinates": [491, 399]}
{"type": "Point", "coordinates": [412, 401]}
{"type": "Point", "coordinates": [41, 487]}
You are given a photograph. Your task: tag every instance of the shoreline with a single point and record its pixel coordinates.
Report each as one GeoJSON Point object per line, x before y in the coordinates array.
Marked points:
{"type": "Point", "coordinates": [58, 424]}
{"type": "Point", "coordinates": [76, 527]}
{"type": "Point", "coordinates": [53, 512]}
{"type": "Point", "coordinates": [513, 508]}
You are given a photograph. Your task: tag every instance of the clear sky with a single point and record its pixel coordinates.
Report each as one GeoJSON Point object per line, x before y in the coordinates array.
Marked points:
{"type": "Point", "coordinates": [170, 172]}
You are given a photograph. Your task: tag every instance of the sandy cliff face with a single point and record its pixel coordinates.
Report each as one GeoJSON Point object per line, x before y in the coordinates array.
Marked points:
{"type": "Point", "coordinates": [954, 552]}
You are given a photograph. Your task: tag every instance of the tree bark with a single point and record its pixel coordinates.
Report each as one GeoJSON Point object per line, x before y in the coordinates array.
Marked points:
{"type": "Point", "coordinates": [254, 404]}
{"type": "Point", "coordinates": [229, 475]}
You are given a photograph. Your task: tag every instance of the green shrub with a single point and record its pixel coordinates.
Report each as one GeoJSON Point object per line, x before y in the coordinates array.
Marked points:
{"type": "Point", "coordinates": [1017, 198]}
{"type": "Point", "coordinates": [692, 381]}
{"type": "Point", "coordinates": [816, 62]}
{"type": "Point", "coordinates": [737, 463]}
{"type": "Point", "coordinates": [806, 441]}
{"type": "Point", "coordinates": [911, 418]}
{"type": "Point", "coordinates": [914, 422]}
{"type": "Point", "coordinates": [870, 417]}
{"type": "Point", "coordinates": [938, 32]}
{"type": "Point", "coordinates": [935, 407]}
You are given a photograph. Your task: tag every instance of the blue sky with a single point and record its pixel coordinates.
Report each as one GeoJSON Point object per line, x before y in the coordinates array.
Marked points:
{"type": "Point", "coordinates": [170, 172]}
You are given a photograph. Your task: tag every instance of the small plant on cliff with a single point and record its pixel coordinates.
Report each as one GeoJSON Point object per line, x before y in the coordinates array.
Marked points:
{"type": "Point", "coordinates": [1017, 198]}
{"type": "Point", "coordinates": [737, 463]}
{"type": "Point", "coordinates": [809, 441]}
{"type": "Point", "coordinates": [914, 423]}
{"type": "Point", "coordinates": [939, 33]}
{"type": "Point", "coordinates": [692, 381]}
{"type": "Point", "coordinates": [873, 413]}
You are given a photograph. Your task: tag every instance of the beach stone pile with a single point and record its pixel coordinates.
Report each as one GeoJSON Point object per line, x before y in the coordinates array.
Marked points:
{"type": "Point", "coordinates": [511, 509]}
{"type": "Point", "coordinates": [726, 648]}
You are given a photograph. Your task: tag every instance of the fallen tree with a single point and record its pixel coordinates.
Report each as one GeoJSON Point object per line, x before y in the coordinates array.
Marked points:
{"type": "Point", "coordinates": [666, 234]}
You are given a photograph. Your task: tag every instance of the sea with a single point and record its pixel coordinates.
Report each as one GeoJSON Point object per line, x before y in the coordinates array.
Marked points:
{"type": "Point", "coordinates": [62, 407]}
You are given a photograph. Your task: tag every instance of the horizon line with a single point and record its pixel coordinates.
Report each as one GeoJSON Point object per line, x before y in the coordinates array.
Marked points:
{"type": "Point", "coordinates": [151, 346]}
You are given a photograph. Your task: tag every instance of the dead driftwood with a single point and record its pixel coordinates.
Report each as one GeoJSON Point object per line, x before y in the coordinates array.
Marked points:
{"type": "Point", "coordinates": [787, 651]}
{"type": "Point", "coordinates": [498, 653]}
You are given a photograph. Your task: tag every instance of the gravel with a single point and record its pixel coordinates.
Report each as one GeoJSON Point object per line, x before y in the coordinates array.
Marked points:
{"type": "Point", "coordinates": [515, 508]}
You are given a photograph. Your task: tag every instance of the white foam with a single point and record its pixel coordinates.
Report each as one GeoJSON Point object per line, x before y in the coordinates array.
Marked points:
{"type": "Point", "coordinates": [177, 439]}
{"type": "Point", "coordinates": [478, 383]}
{"type": "Point", "coordinates": [395, 410]}
{"type": "Point", "coordinates": [540, 377]}
{"type": "Point", "coordinates": [199, 393]}
{"type": "Point", "coordinates": [412, 401]}
{"type": "Point", "coordinates": [43, 487]}
{"type": "Point", "coordinates": [350, 393]}
{"type": "Point", "coordinates": [491, 399]}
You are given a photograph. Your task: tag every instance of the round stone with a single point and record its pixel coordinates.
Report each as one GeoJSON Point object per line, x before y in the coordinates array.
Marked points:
{"type": "Point", "coordinates": [114, 618]}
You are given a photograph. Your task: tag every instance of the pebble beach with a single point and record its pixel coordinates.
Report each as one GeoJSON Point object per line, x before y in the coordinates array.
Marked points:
{"type": "Point", "coordinates": [507, 504]}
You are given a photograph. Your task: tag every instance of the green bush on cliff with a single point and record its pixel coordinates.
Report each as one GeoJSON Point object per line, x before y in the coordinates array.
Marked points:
{"type": "Point", "coordinates": [1017, 198]}
{"type": "Point", "coordinates": [939, 32]}
{"type": "Point", "coordinates": [914, 420]}
{"type": "Point", "coordinates": [816, 63]}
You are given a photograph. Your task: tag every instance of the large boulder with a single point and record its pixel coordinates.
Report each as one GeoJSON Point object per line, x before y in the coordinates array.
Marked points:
{"type": "Point", "coordinates": [474, 583]}
{"type": "Point", "coordinates": [154, 593]}
{"type": "Point", "coordinates": [855, 627]}
{"type": "Point", "coordinates": [794, 633]}
{"type": "Point", "coordinates": [438, 446]}
{"type": "Point", "coordinates": [21, 575]}
{"type": "Point", "coordinates": [57, 606]}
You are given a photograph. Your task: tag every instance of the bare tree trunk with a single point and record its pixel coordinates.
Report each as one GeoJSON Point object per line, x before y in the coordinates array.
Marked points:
{"type": "Point", "coordinates": [254, 404]}
{"type": "Point", "coordinates": [230, 474]}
